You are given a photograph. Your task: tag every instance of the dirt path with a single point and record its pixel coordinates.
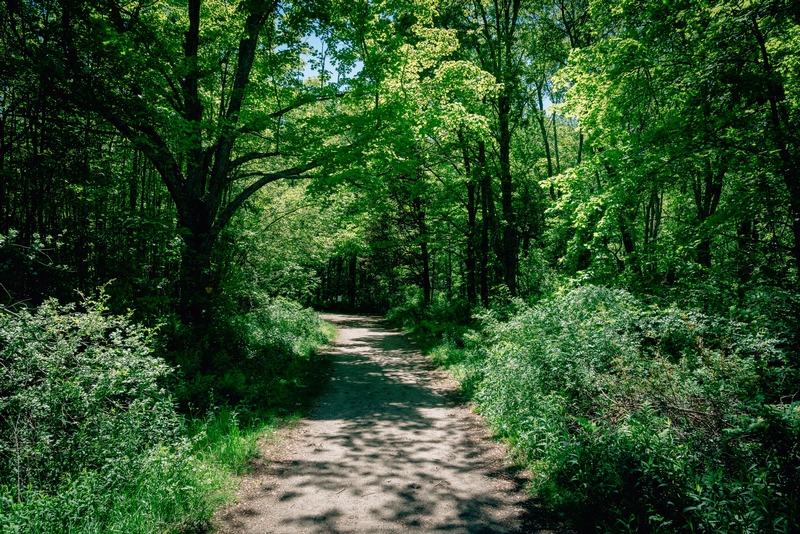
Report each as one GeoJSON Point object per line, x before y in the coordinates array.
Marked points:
{"type": "Point", "coordinates": [388, 449]}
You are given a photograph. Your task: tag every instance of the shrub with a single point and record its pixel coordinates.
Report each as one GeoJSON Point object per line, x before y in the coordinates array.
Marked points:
{"type": "Point", "coordinates": [80, 391]}
{"type": "Point", "coordinates": [640, 418]}
{"type": "Point", "coordinates": [259, 358]}
{"type": "Point", "coordinates": [89, 438]}
{"type": "Point", "coordinates": [442, 318]}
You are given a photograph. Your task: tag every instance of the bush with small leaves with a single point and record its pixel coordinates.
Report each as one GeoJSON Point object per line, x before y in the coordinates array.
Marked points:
{"type": "Point", "coordinates": [636, 418]}
{"type": "Point", "coordinates": [254, 359]}
{"type": "Point", "coordinates": [89, 438]}
{"type": "Point", "coordinates": [80, 391]}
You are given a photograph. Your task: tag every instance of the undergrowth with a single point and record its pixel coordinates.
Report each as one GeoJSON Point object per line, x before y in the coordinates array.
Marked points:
{"type": "Point", "coordinates": [634, 418]}
{"type": "Point", "coordinates": [91, 439]}
{"type": "Point", "coordinates": [264, 357]}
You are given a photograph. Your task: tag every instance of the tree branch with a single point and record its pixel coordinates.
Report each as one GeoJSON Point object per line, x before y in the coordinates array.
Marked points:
{"type": "Point", "coordinates": [303, 101]}
{"type": "Point", "coordinates": [253, 129]}
{"type": "Point", "coordinates": [145, 138]}
{"type": "Point", "coordinates": [259, 12]}
{"type": "Point", "coordinates": [238, 162]}
{"type": "Point", "coordinates": [266, 178]}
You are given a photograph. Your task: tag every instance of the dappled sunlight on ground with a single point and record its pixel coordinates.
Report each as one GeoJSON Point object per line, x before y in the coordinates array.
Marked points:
{"type": "Point", "coordinates": [388, 449]}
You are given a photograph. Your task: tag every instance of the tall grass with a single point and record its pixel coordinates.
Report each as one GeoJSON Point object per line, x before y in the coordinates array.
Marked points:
{"type": "Point", "coordinates": [221, 439]}
{"type": "Point", "coordinates": [171, 488]}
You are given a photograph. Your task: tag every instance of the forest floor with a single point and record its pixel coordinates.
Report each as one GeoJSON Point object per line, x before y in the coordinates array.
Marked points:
{"type": "Point", "coordinates": [388, 448]}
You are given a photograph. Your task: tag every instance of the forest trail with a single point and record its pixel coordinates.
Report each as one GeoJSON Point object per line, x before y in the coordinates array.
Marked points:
{"type": "Point", "coordinates": [387, 449]}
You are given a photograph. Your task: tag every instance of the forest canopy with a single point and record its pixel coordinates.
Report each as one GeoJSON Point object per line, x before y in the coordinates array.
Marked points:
{"type": "Point", "coordinates": [468, 167]}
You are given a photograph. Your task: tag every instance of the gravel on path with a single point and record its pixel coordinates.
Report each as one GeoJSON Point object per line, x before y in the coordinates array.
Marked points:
{"type": "Point", "coordinates": [387, 449]}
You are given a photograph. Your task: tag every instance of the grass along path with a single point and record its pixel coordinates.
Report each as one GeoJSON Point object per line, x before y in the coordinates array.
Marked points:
{"type": "Point", "coordinates": [387, 449]}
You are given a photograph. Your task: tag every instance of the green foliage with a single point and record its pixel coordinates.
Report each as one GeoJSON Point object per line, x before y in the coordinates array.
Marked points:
{"type": "Point", "coordinates": [258, 359]}
{"type": "Point", "coordinates": [221, 439]}
{"type": "Point", "coordinates": [81, 391]}
{"type": "Point", "coordinates": [162, 147]}
{"type": "Point", "coordinates": [89, 439]}
{"type": "Point", "coordinates": [167, 489]}
{"type": "Point", "coordinates": [442, 319]}
{"type": "Point", "coordinates": [664, 202]}
{"type": "Point", "coordinates": [638, 418]}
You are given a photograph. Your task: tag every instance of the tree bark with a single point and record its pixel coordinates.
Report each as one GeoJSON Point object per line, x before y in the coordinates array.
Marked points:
{"type": "Point", "coordinates": [498, 28]}
{"type": "Point", "coordinates": [352, 281]}
{"type": "Point", "coordinates": [545, 140]}
{"type": "Point", "coordinates": [486, 223]}
{"type": "Point", "coordinates": [472, 211]}
{"type": "Point", "coordinates": [196, 289]}
{"type": "Point", "coordinates": [509, 249]}
{"type": "Point", "coordinates": [199, 167]}
{"type": "Point", "coordinates": [424, 253]}
{"type": "Point", "coordinates": [707, 194]}
{"type": "Point", "coordinates": [784, 137]}
{"type": "Point", "coordinates": [471, 234]}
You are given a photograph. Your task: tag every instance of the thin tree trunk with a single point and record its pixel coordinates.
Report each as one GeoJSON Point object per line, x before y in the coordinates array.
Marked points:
{"type": "Point", "coordinates": [471, 235]}
{"type": "Point", "coordinates": [424, 254]}
{"type": "Point", "coordinates": [784, 137]}
{"type": "Point", "coordinates": [486, 198]}
{"type": "Point", "coordinates": [707, 194]}
{"type": "Point", "coordinates": [747, 233]}
{"type": "Point", "coordinates": [545, 140]}
{"type": "Point", "coordinates": [449, 272]}
{"type": "Point", "coordinates": [555, 143]}
{"type": "Point", "coordinates": [509, 241]}
{"type": "Point", "coordinates": [471, 220]}
{"type": "Point", "coordinates": [352, 280]}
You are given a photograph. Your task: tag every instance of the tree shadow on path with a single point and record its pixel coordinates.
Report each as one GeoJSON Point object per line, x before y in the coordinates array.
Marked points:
{"type": "Point", "coordinates": [389, 448]}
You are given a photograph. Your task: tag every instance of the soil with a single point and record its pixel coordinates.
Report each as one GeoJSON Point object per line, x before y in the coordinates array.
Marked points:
{"type": "Point", "coordinates": [388, 448]}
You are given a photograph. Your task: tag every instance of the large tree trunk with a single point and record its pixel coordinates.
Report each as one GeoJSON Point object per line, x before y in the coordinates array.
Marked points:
{"type": "Point", "coordinates": [198, 168]}
{"type": "Point", "coordinates": [199, 237]}
{"type": "Point", "coordinates": [196, 289]}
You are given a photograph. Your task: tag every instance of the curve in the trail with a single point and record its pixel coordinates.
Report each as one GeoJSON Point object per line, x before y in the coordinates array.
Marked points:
{"type": "Point", "coordinates": [387, 449]}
